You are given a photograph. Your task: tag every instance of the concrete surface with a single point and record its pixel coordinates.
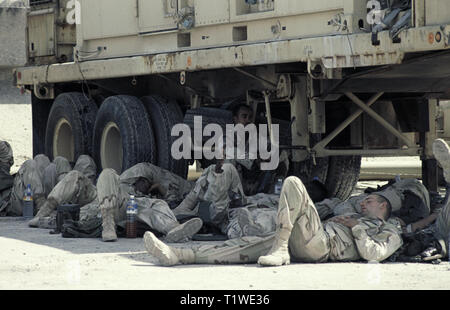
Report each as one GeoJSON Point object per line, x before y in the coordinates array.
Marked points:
{"type": "Point", "coordinates": [34, 259]}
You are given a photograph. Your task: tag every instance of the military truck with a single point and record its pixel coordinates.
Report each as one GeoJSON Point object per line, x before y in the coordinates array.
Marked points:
{"type": "Point", "coordinates": [342, 78]}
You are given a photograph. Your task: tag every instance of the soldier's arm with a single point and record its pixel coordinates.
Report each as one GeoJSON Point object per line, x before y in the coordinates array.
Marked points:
{"type": "Point", "coordinates": [380, 246]}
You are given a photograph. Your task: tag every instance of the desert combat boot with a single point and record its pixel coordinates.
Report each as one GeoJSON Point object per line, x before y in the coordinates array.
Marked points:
{"type": "Point", "coordinates": [108, 224]}
{"type": "Point", "coordinates": [165, 254]}
{"type": "Point", "coordinates": [184, 232]}
{"type": "Point", "coordinates": [45, 210]}
{"type": "Point", "coordinates": [279, 253]}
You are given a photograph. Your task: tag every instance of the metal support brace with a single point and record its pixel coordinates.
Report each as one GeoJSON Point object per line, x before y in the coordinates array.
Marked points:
{"type": "Point", "coordinates": [429, 164]}
{"type": "Point", "coordinates": [380, 120]}
{"type": "Point", "coordinates": [345, 124]}
{"type": "Point", "coordinates": [269, 114]}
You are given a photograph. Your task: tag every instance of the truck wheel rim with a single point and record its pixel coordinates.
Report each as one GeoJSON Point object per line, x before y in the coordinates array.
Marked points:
{"type": "Point", "coordinates": [63, 140]}
{"type": "Point", "coordinates": [111, 153]}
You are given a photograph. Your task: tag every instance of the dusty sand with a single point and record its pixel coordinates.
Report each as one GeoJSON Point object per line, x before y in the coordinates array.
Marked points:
{"type": "Point", "coordinates": [16, 128]}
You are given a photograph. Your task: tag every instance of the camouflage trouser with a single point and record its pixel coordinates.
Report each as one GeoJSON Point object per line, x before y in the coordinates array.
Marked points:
{"type": "Point", "coordinates": [31, 172]}
{"type": "Point", "coordinates": [257, 218]}
{"type": "Point", "coordinates": [308, 241]}
{"type": "Point", "coordinates": [5, 201]}
{"type": "Point", "coordinates": [6, 157]}
{"type": "Point", "coordinates": [214, 188]}
{"type": "Point", "coordinates": [176, 186]}
{"type": "Point", "coordinates": [442, 228]}
{"type": "Point", "coordinates": [74, 188]}
{"type": "Point", "coordinates": [114, 194]}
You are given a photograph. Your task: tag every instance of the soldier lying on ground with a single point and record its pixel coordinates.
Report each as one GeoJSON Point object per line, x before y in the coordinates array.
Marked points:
{"type": "Point", "coordinates": [427, 240]}
{"type": "Point", "coordinates": [110, 196]}
{"type": "Point", "coordinates": [370, 234]}
{"type": "Point", "coordinates": [37, 172]}
{"type": "Point", "coordinates": [154, 188]}
{"type": "Point", "coordinates": [373, 235]}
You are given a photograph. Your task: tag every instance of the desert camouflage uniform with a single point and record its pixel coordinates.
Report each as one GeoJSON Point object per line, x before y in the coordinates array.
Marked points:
{"type": "Point", "coordinates": [114, 193]}
{"type": "Point", "coordinates": [441, 229]}
{"type": "Point", "coordinates": [70, 187]}
{"type": "Point", "coordinates": [213, 188]}
{"type": "Point", "coordinates": [31, 172]}
{"type": "Point", "coordinates": [263, 219]}
{"type": "Point", "coordinates": [6, 180]}
{"type": "Point", "coordinates": [394, 193]}
{"type": "Point", "coordinates": [310, 240]}
{"type": "Point", "coordinates": [256, 218]}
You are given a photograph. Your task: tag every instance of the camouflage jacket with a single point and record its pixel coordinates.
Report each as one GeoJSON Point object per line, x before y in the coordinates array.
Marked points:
{"type": "Point", "coordinates": [371, 239]}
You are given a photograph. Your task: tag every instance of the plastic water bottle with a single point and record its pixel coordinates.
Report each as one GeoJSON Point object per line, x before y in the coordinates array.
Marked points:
{"type": "Point", "coordinates": [131, 218]}
{"type": "Point", "coordinates": [278, 185]}
{"type": "Point", "coordinates": [28, 204]}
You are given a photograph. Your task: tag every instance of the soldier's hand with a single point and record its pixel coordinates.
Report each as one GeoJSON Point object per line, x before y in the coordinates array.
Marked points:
{"type": "Point", "coordinates": [345, 220]}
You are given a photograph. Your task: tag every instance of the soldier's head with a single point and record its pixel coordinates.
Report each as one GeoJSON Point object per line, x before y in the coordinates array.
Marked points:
{"type": "Point", "coordinates": [242, 114]}
{"type": "Point", "coordinates": [376, 206]}
{"type": "Point", "coordinates": [143, 185]}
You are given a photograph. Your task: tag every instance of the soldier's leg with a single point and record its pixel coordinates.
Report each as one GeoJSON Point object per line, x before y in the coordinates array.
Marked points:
{"type": "Point", "coordinates": [6, 157]}
{"type": "Point", "coordinates": [27, 174]}
{"type": "Point", "coordinates": [441, 152]}
{"type": "Point", "coordinates": [298, 228]}
{"type": "Point", "coordinates": [50, 178]}
{"type": "Point", "coordinates": [74, 188]}
{"type": "Point", "coordinates": [442, 229]}
{"type": "Point", "coordinates": [111, 199]}
{"type": "Point", "coordinates": [236, 251]}
{"type": "Point", "coordinates": [176, 186]}
{"type": "Point", "coordinates": [157, 214]}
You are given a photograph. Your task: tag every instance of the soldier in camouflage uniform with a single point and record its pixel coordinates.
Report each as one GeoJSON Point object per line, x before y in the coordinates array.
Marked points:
{"type": "Point", "coordinates": [72, 186]}
{"type": "Point", "coordinates": [109, 197]}
{"type": "Point", "coordinates": [213, 187]}
{"type": "Point", "coordinates": [154, 188]}
{"type": "Point", "coordinates": [441, 227]}
{"type": "Point", "coordinates": [32, 172]}
{"type": "Point", "coordinates": [371, 235]}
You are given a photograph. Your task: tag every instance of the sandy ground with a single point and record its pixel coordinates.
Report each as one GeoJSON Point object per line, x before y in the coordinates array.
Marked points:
{"type": "Point", "coordinates": [16, 128]}
{"type": "Point", "coordinates": [34, 259]}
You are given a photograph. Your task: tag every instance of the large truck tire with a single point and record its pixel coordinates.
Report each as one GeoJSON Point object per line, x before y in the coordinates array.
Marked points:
{"type": "Point", "coordinates": [70, 126]}
{"type": "Point", "coordinates": [343, 174]}
{"type": "Point", "coordinates": [123, 135]}
{"type": "Point", "coordinates": [308, 171]}
{"type": "Point", "coordinates": [339, 174]}
{"type": "Point", "coordinates": [164, 114]}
